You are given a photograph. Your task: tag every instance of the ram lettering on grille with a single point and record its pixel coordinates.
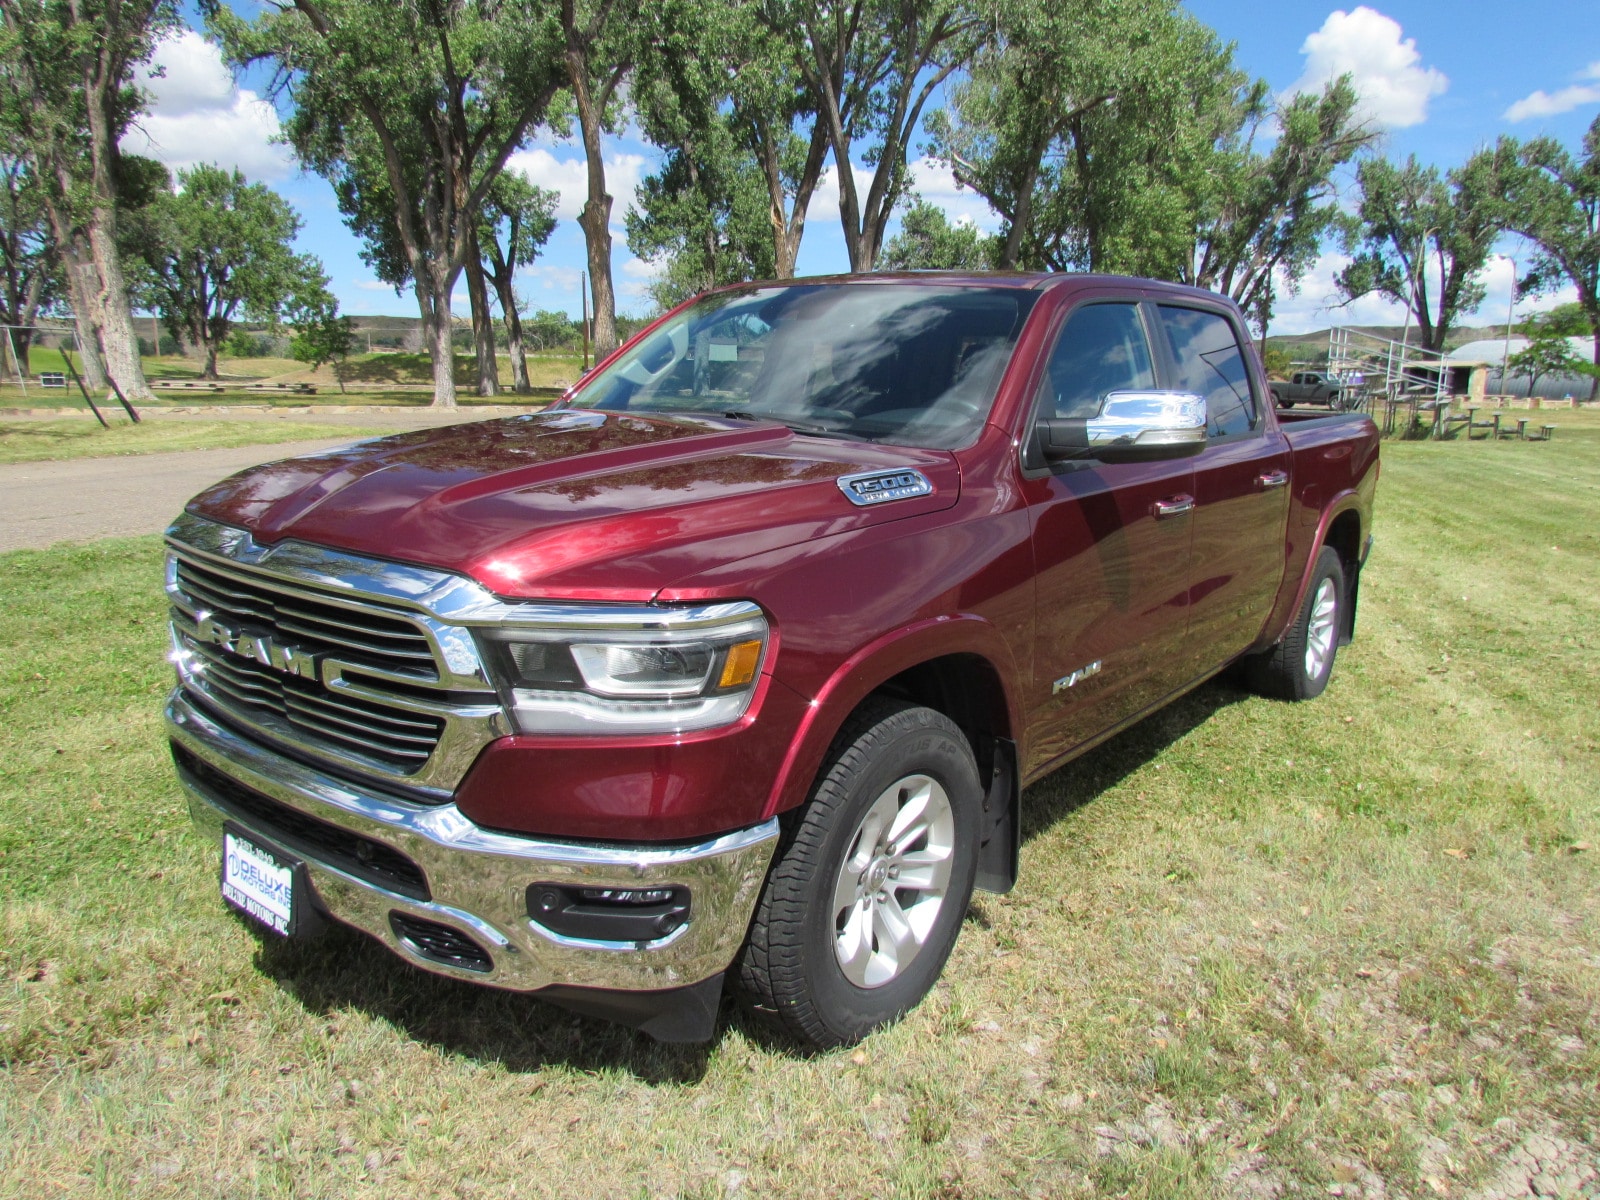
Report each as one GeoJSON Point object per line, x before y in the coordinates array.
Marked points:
{"type": "Point", "coordinates": [291, 660]}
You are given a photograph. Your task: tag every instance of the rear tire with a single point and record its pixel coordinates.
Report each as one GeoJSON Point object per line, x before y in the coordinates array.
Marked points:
{"type": "Point", "coordinates": [871, 881]}
{"type": "Point", "coordinates": [1298, 667]}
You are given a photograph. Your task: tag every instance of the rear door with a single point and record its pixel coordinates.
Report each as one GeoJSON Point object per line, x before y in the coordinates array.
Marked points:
{"type": "Point", "coordinates": [1111, 546]}
{"type": "Point", "coordinates": [1241, 486]}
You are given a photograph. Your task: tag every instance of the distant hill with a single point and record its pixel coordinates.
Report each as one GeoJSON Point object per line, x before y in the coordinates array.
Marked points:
{"type": "Point", "coordinates": [1313, 347]}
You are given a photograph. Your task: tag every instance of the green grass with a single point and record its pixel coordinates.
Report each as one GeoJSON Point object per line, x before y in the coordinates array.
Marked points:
{"type": "Point", "coordinates": [1256, 946]}
{"type": "Point", "coordinates": [386, 377]}
{"type": "Point", "coordinates": [38, 439]}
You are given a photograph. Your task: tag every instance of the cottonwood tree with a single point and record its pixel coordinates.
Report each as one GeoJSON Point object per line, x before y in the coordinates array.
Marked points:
{"type": "Point", "coordinates": [873, 65]}
{"type": "Point", "coordinates": [927, 241]}
{"type": "Point", "coordinates": [1089, 127]}
{"type": "Point", "coordinates": [517, 221]}
{"type": "Point", "coordinates": [321, 335]}
{"type": "Point", "coordinates": [1548, 351]}
{"type": "Point", "coordinates": [705, 213]}
{"type": "Point", "coordinates": [410, 111]}
{"type": "Point", "coordinates": [1262, 217]}
{"type": "Point", "coordinates": [215, 250]}
{"type": "Point", "coordinates": [1552, 198]}
{"type": "Point", "coordinates": [1421, 239]}
{"type": "Point", "coordinates": [719, 90]}
{"type": "Point", "coordinates": [30, 283]}
{"type": "Point", "coordinates": [602, 40]}
{"type": "Point", "coordinates": [1041, 70]}
{"type": "Point", "coordinates": [67, 94]}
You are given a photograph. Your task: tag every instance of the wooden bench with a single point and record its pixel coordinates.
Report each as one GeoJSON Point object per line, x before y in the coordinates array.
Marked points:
{"type": "Point", "coordinates": [1489, 427]}
{"type": "Point", "coordinates": [299, 389]}
{"type": "Point", "coordinates": [187, 385]}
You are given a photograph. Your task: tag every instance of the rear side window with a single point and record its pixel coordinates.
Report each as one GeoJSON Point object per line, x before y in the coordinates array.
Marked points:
{"type": "Point", "coordinates": [1209, 363]}
{"type": "Point", "coordinates": [1101, 349]}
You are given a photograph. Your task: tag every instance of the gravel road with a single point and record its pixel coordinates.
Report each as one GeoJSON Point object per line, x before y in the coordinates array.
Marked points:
{"type": "Point", "coordinates": [79, 500]}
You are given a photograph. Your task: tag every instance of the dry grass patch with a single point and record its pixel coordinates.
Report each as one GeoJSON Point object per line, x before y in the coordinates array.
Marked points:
{"type": "Point", "coordinates": [1350, 947]}
{"type": "Point", "coordinates": [39, 440]}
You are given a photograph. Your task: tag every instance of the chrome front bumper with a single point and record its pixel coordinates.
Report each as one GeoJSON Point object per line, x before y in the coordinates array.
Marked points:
{"type": "Point", "coordinates": [478, 879]}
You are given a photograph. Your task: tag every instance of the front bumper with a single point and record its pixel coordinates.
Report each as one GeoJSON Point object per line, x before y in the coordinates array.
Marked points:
{"type": "Point", "coordinates": [474, 880]}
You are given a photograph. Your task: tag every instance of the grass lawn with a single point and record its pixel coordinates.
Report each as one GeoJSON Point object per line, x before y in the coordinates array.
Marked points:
{"type": "Point", "coordinates": [1349, 947]}
{"type": "Point", "coordinates": [389, 377]}
{"type": "Point", "coordinates": [38, 439]}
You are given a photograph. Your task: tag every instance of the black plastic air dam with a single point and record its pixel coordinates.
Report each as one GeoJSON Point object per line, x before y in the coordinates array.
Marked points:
{"type": "Point", "coordinates": [673, 1015]}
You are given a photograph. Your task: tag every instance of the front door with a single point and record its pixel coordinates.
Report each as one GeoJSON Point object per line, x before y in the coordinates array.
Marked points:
{"type": "Point", "coordinates": [1240, 487]}
{"type": "Point", "coordinates": [1111, 548]}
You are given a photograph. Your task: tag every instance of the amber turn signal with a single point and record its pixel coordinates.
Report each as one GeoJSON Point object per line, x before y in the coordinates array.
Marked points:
{"type": "Point", "coordinates": [739, 668]}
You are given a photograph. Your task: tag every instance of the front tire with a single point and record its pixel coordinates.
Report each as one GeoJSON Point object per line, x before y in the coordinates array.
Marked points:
{"type": "Point", "coordinates": [871, 881]}
{"type": "Point", "coordinates": [1298, 667]}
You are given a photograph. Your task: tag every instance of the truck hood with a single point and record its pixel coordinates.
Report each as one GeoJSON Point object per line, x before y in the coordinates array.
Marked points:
{"type": "Point", "coordinates": [574, 505]}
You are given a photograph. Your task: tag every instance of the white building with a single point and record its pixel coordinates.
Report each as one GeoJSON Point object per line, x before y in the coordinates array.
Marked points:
{"type": "Point", "coordinates": [1494, 352]}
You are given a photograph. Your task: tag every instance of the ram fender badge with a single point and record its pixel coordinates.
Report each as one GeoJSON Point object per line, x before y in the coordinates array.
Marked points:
{"type": "Point", "coordinates": [880, 487]}
{"type": "Point", "coordinates": [1075, 678]}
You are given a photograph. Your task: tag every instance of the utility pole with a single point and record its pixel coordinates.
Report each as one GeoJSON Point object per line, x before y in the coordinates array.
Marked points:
{"type": "Point", "coordinates": [1511, 309]}
{"type": "Point", "coordinates": [583, 295]}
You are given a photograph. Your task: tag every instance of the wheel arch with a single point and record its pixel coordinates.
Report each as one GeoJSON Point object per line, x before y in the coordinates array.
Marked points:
{"type": "Point", "coordinates": [956, 666]}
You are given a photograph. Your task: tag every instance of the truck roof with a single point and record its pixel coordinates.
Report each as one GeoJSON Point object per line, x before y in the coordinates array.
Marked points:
{"type": "Point", "coordinates": [1034, 280]}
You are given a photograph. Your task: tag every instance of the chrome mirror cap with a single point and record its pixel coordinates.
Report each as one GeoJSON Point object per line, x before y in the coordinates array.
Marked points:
{"type": "Point", "coordinates": [1131, 427]}
{"type": "Point", "coordinates": [1149, 419]}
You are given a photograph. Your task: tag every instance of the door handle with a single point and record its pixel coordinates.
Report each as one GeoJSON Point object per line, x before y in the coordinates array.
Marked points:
{"type": "Point", "coordinates": [1173, 506]}
{"type": "Point", "coordinates": [1271, 479]}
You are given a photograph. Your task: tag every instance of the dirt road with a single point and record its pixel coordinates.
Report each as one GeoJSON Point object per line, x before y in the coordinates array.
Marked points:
{"type": "Point", "coordinates": [82, 499]}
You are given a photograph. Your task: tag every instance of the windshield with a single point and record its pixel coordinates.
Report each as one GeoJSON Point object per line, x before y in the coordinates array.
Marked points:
{"type": "Point", "coordinates": [914, 365]}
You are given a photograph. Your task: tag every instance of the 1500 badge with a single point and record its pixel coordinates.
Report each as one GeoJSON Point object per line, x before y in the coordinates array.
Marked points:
{"type": "Point", "coordinates": [880, 487]}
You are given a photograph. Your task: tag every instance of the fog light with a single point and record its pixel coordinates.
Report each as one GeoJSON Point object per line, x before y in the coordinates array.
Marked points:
{"type": "Point", "coordinates": [609, 914]}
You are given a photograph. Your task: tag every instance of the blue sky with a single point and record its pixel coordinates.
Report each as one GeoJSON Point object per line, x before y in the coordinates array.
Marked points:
{"type": "Point", "coordinates": [1441, 79]}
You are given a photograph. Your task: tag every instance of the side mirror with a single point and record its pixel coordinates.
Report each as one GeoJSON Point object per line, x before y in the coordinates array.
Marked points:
{"type": "Point", "coordinates": [1131, 427]}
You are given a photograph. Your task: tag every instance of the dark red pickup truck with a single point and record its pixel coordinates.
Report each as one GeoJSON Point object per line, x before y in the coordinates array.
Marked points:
{"type": "Point", "coordinates": [735, 664]}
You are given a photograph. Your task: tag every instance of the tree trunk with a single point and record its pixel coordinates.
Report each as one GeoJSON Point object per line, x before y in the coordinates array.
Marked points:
{"type": "Point", "coordinates": [118, 341]}
{"type": "Point", "coordinates": [437, 330]}
{"type": "Point", "coordinates": [208, 354]}
{"type": "Point", "coordinates": [595, 219]}
{"type": "Point", "coordinates": [513, 319]}
{"type": "Point", "coordinates": [482, 323]}
{"type": "Point", "coordinates": [1594, 383]}
{"type": "Point", "coordinates": [80, 290]}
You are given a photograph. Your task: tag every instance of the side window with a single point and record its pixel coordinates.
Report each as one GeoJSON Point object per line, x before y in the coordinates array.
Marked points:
{"type": "Point", "coordinates": [1102, 349]}
{"type": "Point", "coordinates": [1210, 364]}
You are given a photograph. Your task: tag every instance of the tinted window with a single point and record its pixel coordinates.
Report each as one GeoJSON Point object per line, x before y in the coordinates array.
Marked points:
{"type": "Point", "coordinates": [1210, 364]}
{"type": "Point", "coordinates": [1102, 349]}
{"type": "Point", "coordinates": [910, 364]}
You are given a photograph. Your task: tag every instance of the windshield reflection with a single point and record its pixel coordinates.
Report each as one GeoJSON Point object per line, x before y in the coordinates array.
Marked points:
{"type": "Point", "coordinates": [913, 365]}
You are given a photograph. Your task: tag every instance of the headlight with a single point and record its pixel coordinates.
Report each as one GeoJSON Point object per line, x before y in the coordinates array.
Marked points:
{"type": "Point", "coordinates": [629, 670]}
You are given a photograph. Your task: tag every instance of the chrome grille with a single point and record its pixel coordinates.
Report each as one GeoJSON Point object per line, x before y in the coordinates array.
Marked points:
{"type": "Point", "coordinates": [361, 636]}
{"type": "Point", "coordinates": [288, 704]}
{"type": "Point", "coordinates": [367, 666]}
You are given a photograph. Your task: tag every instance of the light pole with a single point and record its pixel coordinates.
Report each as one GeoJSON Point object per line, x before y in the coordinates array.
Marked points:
{"type": "Point", "coordinates": [1511, 309]}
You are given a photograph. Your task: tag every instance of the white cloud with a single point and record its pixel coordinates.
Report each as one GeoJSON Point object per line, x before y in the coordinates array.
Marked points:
{"type": "Point", "coordinates": [824, 204]}
{"type": "Point", "coordinates": [1385, 68]}
{"type": "Point", "coordinates": [1542, 104]}
{"type": "Point", "coordinates": [937, 185]}
{"type": "Point", "coordinates": [636, 276]}
{"type": "Point", "coordinates": [569, 177]}
{"type": "Point", "coordinates": [373, 285]}
{"type": "Point", "coordinates": [197, 115]}
{"type": "Point", "coordinates": [1318, 306]}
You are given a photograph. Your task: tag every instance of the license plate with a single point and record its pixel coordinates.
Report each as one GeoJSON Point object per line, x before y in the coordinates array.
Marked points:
{"type": "Point", "coordinates": [258, 881]}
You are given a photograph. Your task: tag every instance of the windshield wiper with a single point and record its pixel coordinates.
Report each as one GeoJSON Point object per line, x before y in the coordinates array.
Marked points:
{"type": "Point", "coordinates": [807, 427]}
